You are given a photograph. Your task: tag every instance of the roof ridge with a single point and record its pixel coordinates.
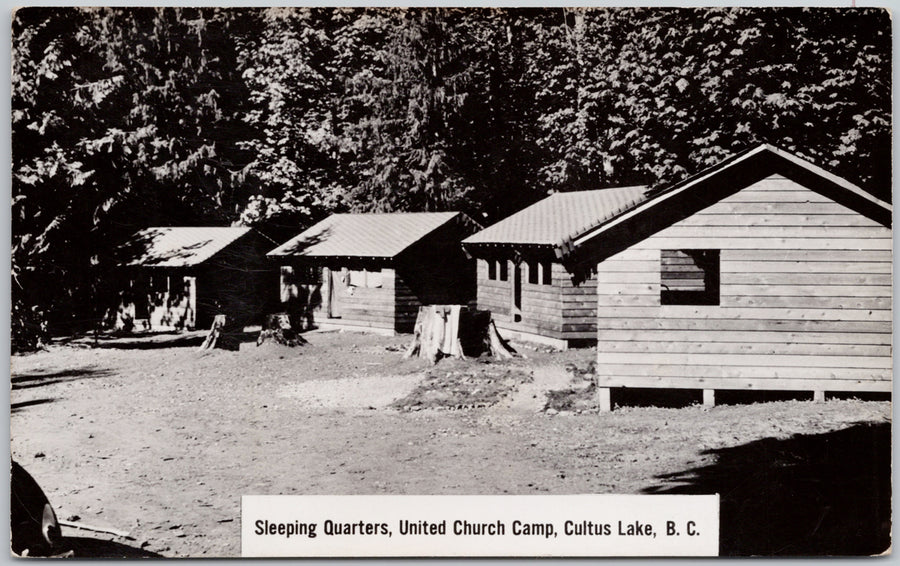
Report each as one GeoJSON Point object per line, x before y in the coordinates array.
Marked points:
{"type": "Point", "coordinates": [728, 162]}
{"type": "Point", "coordinates": [381, 213]}
{"type": "Point", "coordinates": [367, 234]}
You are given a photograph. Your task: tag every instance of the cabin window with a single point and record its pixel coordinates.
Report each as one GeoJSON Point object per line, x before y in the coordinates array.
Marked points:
{"type": "Point", "coordinates": [374, 279]}
{"type": "Point", "coordinates": [492, 269]}
{"type": "Point", "coordinates": [689, 277]}
{"type": "Point", "coordinates": [547, 273]}
{"type": "Point", "coordinates": [533, 273]}
{"type": "Point", "coordinates": [504, 270]}
{"type": "Point", "coordinates": [364, 278]}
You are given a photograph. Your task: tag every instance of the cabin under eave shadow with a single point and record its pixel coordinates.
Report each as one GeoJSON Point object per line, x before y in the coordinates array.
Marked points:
{"type": "Point", "coordinates": [179, 278]}
{"type": "Point", "coordinates": [524, 273]}
{"type": "Point", "coordinates": [371, 272]}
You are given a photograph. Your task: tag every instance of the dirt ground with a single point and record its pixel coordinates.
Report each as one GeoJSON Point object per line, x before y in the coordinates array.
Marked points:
{"type": "Point", "coordinates": [152, 437]}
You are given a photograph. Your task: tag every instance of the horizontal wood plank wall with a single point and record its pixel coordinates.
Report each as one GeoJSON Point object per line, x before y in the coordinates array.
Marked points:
{"type": "Point", "coordinates": [371, 307]}
{"type": "Point", "coordinates": [541, 308]}
{"type": "Point", "coordinates": [170, 310]}
{"type": "Point", "coordinates": [427, 284]}
{"type": "Point", "coordinates": [805, 300]}
{"type": "Point", "coordinates": [560, 310]}
{"type": "Point", "coordinates": [406, 305]}
{"type": "Point", "coordinates": [493, 294]}
{"type": "Point", "coordinates": [579, 304]}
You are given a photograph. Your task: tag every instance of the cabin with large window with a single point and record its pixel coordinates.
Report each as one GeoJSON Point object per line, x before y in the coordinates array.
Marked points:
{"type": "Point", "coordinates": [179, 278]}
{"type": "Point", "coordinates": [524, 274]}
{"type": "Point", "coordinates": [764, 272]}
{"type": "Point", "coordinates": [372, 272]}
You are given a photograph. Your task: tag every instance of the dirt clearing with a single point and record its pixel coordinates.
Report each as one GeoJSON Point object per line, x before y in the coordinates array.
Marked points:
{"type": "Point", "coordinates": [152, 437]}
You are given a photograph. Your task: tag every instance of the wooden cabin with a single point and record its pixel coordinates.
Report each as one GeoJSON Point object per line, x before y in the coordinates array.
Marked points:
{"type": "Point", "coordinates": [178, 278]}
{"type": "Point", "coordinates": [764, 272]}
{"type": "Point", "coordinates": [372, 272]}
{"type": "Point", "coordinates": [524, 277]}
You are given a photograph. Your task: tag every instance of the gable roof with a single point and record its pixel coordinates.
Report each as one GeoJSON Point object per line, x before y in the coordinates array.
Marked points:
{"type": "Point", "coordinates": [556, 220]}
{"type": "Point", "coordinates": [737, 172]}
{"type": "Point", "coordinates": [379, 235]}
{"type": "Point", "coordinates": [177, 246]}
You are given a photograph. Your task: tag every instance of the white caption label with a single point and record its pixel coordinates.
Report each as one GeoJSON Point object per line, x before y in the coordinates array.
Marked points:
{"type": "Point", "coordinates": [479, 525]}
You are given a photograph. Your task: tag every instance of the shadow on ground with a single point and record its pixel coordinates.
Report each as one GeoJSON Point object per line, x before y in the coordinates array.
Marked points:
{"type": "Point", "coordinates": [84, 547]}
{"type": "Point", "coordinates": [677, 398]}
{"type": "Point", "coordinates": [654, 397]}
{"type": "Point", "coordinates": [16, 407]}
{"type": "Point", "coordinates": [825, 494]}
{"type": "Point", "coordinates": [149, 341]}
{"type": "Point", "coordinates": [39, 379]}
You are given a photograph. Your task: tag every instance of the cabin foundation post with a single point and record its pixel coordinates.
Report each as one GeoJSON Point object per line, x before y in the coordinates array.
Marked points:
{"type": "Point", "coordinates": [709, 397]}
{"type": "Point", "coordinates": [604, 399]}
{"type": "Point", "coordinates": [818, 396]}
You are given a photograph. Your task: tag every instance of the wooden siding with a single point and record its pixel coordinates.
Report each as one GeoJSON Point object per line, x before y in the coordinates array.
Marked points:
{"type": "Point", "coordinates": [805, 300]}
{"type": "Point", "coordinates": [428, 284]}
{"type": "Point", "coordinates": [236, 280]}
{"type": "Point", "coordinates": [493, 294]}
{"type": "Point", "coordinates": [371, 307]}
{"type": "Point", "coordinates": [434, 271]}
{"type": "Point", "coordinates": [169, 307]}
{"type": "Point", "coordinates": [561, 310]}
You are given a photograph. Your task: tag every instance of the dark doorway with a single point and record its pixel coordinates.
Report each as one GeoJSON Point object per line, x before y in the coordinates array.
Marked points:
{"type": "Point", "coordinates": [140, 289]}
{"type": "Point", "coordinates": [517, 293]}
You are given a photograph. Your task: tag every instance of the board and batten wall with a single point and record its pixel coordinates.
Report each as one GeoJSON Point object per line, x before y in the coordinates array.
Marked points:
{"type": "Point", "coordinates": [561, 311]}
{"type": "Point", "coordinates": [805, 300]}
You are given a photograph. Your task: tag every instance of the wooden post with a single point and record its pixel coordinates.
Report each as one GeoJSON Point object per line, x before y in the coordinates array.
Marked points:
{"type": "Point", "coordinates": [818, 396]}
{"type": "Point", "coordinates": [709, 397]}
{"type": "Point", "coordinates": [327, 287]}
{"type": "Point", "coordinates": [604, 399]}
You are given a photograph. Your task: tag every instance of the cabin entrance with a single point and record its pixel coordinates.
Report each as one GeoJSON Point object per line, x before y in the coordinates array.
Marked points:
{"type": "Point", "coordinates": [140, 289]}
{"type": "Point", "coordinates": [517, 292]}
{"type": "Point", "coordinates": [334, 286]}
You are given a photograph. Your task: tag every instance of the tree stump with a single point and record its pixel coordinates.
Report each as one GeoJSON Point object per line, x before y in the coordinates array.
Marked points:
{"type": "Point", "coordinates": [278, 329]}
{"type": "Point", "coordinates": [219, 336]}
{"type": "Point", "coordinates": [443, 331]}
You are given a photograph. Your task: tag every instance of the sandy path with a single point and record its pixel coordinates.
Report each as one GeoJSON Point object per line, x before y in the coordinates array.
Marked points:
{"type": "Point", "coordinates": [371, 392]}
{"type": "Point", "coordinates": [532, 396]}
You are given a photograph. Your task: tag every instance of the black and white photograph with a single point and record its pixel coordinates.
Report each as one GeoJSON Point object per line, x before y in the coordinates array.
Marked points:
{"type": "Point", "coordinates": [513, 252]}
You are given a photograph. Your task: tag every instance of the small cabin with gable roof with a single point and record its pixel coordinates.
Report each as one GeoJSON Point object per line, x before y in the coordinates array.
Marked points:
{"type": "Point", "coordinates": [176, 278]}
{"type": "Point", "coordinates": [525, 276]}
{"type": "Point", "coordinates": [372, 272]}
{"type": "Point", "coordinates": [764, 272]}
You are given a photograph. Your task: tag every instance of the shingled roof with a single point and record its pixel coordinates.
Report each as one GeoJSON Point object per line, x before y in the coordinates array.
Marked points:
{"type": "Point", "coordinates": [559, 218]}
{"type": "Point", "coordinates": [379, 235]}
{"type": "Point", "coordinates": [177, 246]}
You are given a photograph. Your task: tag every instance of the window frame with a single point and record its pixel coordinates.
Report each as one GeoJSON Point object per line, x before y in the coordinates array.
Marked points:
{"type": "Point", "coordinates": [533, 275]}
{"type": "Point", "coordinates": [546, 272]}
{"type": "Point", "coordinates": [707, 261]}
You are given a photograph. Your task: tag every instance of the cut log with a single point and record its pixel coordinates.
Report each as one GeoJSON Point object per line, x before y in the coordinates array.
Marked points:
{"type": "Point", "coordinates": [443, 331]}
{"type": "Point", "coordinates": [220, 336]}
{"type": "Point", "coordinates": [84, 527]}
{"type": "Point", "coordinates": [278, 329]}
